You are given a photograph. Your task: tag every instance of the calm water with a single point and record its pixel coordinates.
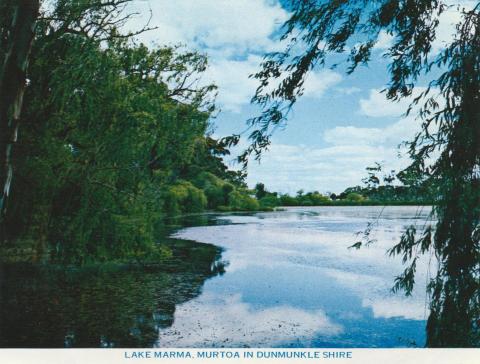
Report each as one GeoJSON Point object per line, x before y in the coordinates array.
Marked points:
{"type": "Point", "coordinates": [283, 279]}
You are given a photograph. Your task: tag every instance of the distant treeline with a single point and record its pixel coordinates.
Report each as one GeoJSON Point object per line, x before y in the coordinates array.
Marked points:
{"type": "Point", "coordinates": [404, 188]}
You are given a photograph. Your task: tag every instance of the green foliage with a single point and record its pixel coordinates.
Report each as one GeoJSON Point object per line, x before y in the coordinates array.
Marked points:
{"type": "Point", "coordinates": [260, 191]}
{"type": "Point", "coordinates": [184, 197]}
{"type": "Point", "coordinates": [317, 198]}
{"type": "Point", "coordinates": [270, 201]}
{"type": "Point", "coordinates": [111, 140]}
{"type": "Point", "coordinates": [355, 197]}
{"type": "Point", "coordinates": [241, 201]}
{"type": "Point", "coordinates": [224, 196]}
{"type": "Point", "coordinates": [287, 200]}
{"type": "Point", "coordinates": [213, 188]}
{"type": "Point", "coordinates": [445, 153]}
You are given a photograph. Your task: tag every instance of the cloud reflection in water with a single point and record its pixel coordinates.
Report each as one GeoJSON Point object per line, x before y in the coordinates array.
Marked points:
{"type": "Point", "coordinates": [297, 264]}
{"type": "Point", "coordinates": [216, 321]}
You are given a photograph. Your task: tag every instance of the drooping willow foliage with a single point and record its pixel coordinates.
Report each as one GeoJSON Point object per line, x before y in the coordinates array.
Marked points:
{"type": "Point", "coordinates": [114, 136]}
{"type": "Point", "coordinates": [446, 150]}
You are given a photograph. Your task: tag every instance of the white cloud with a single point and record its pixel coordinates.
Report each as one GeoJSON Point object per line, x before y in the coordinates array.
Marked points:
{"type": "Point", "coordinates": [240, 25]}
{"type": "Point", "coordinates": [377, 104]}
{"type": "Point", "coordinates": [384, 41]}
{"type": "Point", "coordinates": [236, 88]}
{"type": "Point", "coordinates": [391, 135]}
{"type": "Point", "coordinates": [232, 77]}
{"type": "Point", "coordinates": [348, 90]}
{"type": "Point", "coordinates": [318, 82]}
{"type": "Point", "coordinates": [287, 168]}
{"type": "Point", "coordinates": [234, 34]}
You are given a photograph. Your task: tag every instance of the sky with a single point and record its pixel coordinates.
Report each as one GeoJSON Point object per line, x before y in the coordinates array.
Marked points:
{"type": "Point", "coordinates": [341, 125]}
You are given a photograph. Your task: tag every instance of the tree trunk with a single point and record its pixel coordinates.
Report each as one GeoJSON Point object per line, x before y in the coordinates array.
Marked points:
{"type": "Point", "coordinates": [18, 37]}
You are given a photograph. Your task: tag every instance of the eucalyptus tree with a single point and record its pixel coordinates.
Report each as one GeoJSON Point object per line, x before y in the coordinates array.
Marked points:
{"type": "Point", "coordinates": [446, 149]}
{"type": "Point", "coordinates": [93, 19]}
{"type": "Point", "coordinates": [17, 27]}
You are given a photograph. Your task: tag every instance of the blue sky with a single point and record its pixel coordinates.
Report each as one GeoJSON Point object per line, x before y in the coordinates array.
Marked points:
{"type": "Point", "coordinates": [341, 125]}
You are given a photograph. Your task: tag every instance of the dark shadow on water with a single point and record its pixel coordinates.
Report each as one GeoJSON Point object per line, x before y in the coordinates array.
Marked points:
{"type": "Point", "coordinates": [101, 306]}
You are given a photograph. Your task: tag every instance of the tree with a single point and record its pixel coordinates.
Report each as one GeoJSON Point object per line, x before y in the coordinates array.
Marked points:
{"type": "Point", "coordinates": [109, 127]}
{"type": "Point", "coordinates": [116, 135]}
{"type": "Point", "coordinates": [17, 27]}
{"type": "Point", "coordinates": [372, 181]}
{"type": "Point", "coordinates": [446, 150]}
{"type": "Point", "coordinates": [355, 197]}
{"type": "Point", "coordinates": [260, 191]}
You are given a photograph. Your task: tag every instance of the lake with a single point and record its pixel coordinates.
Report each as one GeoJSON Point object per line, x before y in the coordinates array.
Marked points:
{"type": "Point", "coordinates": [274, 279]}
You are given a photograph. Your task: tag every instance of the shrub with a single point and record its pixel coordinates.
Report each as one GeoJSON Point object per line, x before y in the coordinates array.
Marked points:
{"type": "Point", "coordinates": [269, 201]}
{"type": "Point", "coordinates": [242, 202]}
{"type": "Point", "coordinates": [355, 197]}
{"type": "Point", "coordinates": [184, 197]}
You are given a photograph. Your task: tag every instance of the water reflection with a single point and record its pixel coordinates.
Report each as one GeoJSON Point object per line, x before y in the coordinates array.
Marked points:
{"type": "Point", "coordinates": [102, 306]}
{"type": "Point", "coordinates": [299, 259]}
{"type": "Point", "coordinates": [290, 282]}
{"type": "Point", "coordinates": [226, 321]}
